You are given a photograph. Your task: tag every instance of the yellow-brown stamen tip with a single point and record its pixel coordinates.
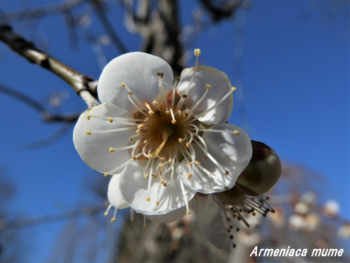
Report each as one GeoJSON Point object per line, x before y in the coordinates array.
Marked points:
{"type": "Point", "coordinates": [184, 96]}
{"type": "Point", "coordinates": [226, 188]}
{"type": "Point", "coordinates": [88, 132]}
{"type": "Point", "coordinates": [197, 163]}
{"type": "Point", "coordinates": [187, 144]}
{"type": "Point", "coordinates": [205, 157]}
{"type": "Point", "coordinates": [161, 165]}
{"type": "Point", "coordinates": [181, 140]}
{"type": "Point", "coordinates": [132, 220]}
{"type": "Point", "coordinates": [233, 88]}
{"type": "Point", "coordinates": [160, 74]}
{"type": "Point", "coordinates": [149, 156]}
{"type": "Point", "coordinates": [189, 176]}
{"type": "Point", "coordinates": [160, 173]}
{"type": "Point", "coordinates": [173, 121]}
{"type": "Point", "coordinates": [188, 212]}
{"type": "Point", "coordinates": [154, 175]}
{"type": "Point", "coordinates": [165, 185]}
{"type": "Point", "coordinates": [150, 112]}
{"type": "Point", "coordinates": [236, 132]}
{"type": "Point", "coordinates": [138, 131]}
{"type": "Point", "coordinates": [157, 203]}
{"type": "Point", "coordinates": [111, 149]}
{"type": "Point", "coordinates": [134, 157]}
{"type": "Point", "coordinates": [147, 119]}
{"type": "Point", "coordinates": [106, 213]}
{"type": "Point", "coordinates": [113, 220]}
{"type": "Point", "coordinates": [141, 126]}
{"type": "Point", "coordinates": [146, 175]}
{"type": "Point", "coordinates": [155, 102]}
{"type": "Point", "coordinates": [144, 227]}
{"type": "Point", "coordinates": [131, 93]}
{"type": "Point", "coordinates": [162, 159]}
{"type": "Point", "coordinates": [190, 164]}
{"type": "Point", "coordinates": [185, 114]}
{"type": "Point", "coordinates": [177, 79]}
{"type": "Point", "coordinates": [105, 174]}
{"type": "Point", "coordinates": [167, 112]}
{"type": "Point", "coordinates": [162, 181]}
{"type": "Point", "coordinates": [110, 120]}
{"type": "Point", "coordinates": [123, 84]}
{"type": "Point", "coordinates": [197, 52]}
{"type": "Point", "coordinates": [148, 198]}
{"type": "Point", "coordinates": [170, 161]}
{"type": "Point", "coordinates": [145, 141]}
{"type": "Point", "coordinates": [227, 172]}
{"type": "Point", "coordinates": [208, 86]}
{"type": "Point", "coordinates": [179, 112]}
{"type": "Point", "coordinates": [88, 117]}
{"type": "Point", "coordinates": [131, 139]}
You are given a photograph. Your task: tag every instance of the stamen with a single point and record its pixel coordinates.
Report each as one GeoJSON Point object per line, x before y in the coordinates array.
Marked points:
{"type": "Point", "coordinates": [112, 130]}
{"type": "Point", "coordinates": [202, 98]}
{"type": "Point", "coordinates": [125, 164]}
{"type": "Point", "coordinates": [132, 94]}
{"type": "Point", "coordinates": [132, 215]}
{"type": "Point", "coordinates": [88, 117]}
{"type": "Point", "coordinates": [172, 116]}
{"type": "Point", "coordinates": [109, 207]}
{"type": "Point", "coordinates": [114, 215]}
{"type": "Point", "coordinates": [235, 132]}
{"type": "Point", "coordinates": [185, 197]}
{"type": "Point", "coordinates": [167, 131]}
{"type": "Point", "coordinates": [105, 174]}
{"type": "Point", "coordinates": [144, 223]}
{"type": "Point", "coordinates": [177, 79]}
{"type": "Point", "coordinates": [161, 88]}
{"type": "Point", "coordinates": [88, 132]}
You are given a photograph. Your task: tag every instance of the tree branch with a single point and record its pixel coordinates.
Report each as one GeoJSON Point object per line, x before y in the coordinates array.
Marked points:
{"type": "Point", "coordinates": [79, 82]}
{"type": "Point", "coordinates": [25, 222]}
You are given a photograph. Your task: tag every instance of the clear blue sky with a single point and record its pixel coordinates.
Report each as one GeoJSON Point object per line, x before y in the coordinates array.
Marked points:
{"type": "Point", "coordinates": [295, 76]}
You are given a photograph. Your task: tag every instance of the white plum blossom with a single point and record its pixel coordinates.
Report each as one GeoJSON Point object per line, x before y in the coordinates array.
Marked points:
{"type": "Point", "coordinates": [162, 140]}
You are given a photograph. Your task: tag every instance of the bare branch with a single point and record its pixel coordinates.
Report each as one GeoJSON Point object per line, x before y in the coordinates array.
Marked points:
{"type": "Point", "coordinates": [25, 222]}
{"type": "Point", "coordinates": [41, 11]}
{"type": "Point", "coordinates": [79, 82]}
{"type": "Point", "coordinates": [107, 25]}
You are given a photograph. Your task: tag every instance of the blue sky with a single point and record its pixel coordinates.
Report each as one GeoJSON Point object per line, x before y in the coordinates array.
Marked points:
{"type": "Point", "coordinates": [295, 74]}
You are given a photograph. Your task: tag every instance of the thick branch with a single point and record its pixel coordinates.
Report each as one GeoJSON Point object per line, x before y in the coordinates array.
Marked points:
{"type": "Point", "coordinates": [80, 83]}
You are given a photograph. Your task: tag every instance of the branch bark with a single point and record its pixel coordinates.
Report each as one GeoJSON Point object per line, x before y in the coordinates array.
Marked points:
{"type": "Point", "coordinates": [82, 84]}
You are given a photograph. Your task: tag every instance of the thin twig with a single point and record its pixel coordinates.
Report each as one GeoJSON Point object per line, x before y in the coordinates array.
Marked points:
{"type": "Point", "coordinates": [25, 222]}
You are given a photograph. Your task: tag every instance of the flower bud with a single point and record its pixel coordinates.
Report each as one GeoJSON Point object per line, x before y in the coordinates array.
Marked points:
{"type": "Point", "coordinates": [262, 172]}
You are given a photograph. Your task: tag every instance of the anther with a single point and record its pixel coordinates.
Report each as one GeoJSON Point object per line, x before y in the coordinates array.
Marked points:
{"type": "Point", "coordinates": [157, 203]}
{"type": "Point", "coordinates": [236, 132]}
{"type": "Point", "coordinates": [131, 93]}
{"type": "Point", "coordinates": [208, 86]}
{"type": "Point", "coordinates": [88, 132]}
{"type": "Point", "coordinates": [132, 220]}
{"type": "Point", "coordinates": [189, 176]}
{"type": "Point", "coordinates": [113, 220]}
{"type": "Point", "coordinates": [159, 173]}
{"type": "Point", "coordinates": [234, 245]}
{"type": "Point", "coordinates": [131, 139]}
{"type": "Point", "coordinates": [165, 185]}
{"type": "Point", "coordinates": [179, 112]}
{"type": "Point", "coordinates": [106, 213]}
{"type": "Point", "coordinates": [197, 52]}
{"type": "Point", "coordinates": [148, 198]}
{"type": "Point", "coordinates": [162, 181]}
{"type": "Point", "coordinates": [181, 140]}
{"type": "Point", "coordinates": [105, 174]}
{"type": "Point", "coordinates": [134, 157]}
{"type": "Point", "coordinates": [155, 102]}
{"type": "Point", "coordinates": [145, 141]}
{"type": "Point", "coordinates": [197, 163]}
{"type": "Point", "coordinates": [184, 96]}
{"type": "Point", "coordinates": [231, 237]}
{"type": "Point", "coordinates": [111, 149]}
{"type": "Point", "coordinates": [205, 157]}
{"type": "Point", "coordinates": [233, 88]}
{"type": "Point", "coordinates": [110, 120]}
{"type": "Point", "coordinates": [167, 112]}
{"type": "Point", "coordinates": [149, 156]}
{"type": "Point", "coordinates": [188, 212]}
{"type": "Point", "coordinates": [161, 165]}
{"type": "Point", "coordinates": [161, 159]}
{"type": "Point", "coordinates": [146, 175]}
{"type": "Point", "coordinates": [185, 114]}
{"type": "Point", "coordinates": [187, 144]}
{"type": "Point", "coordinates": [144, 227]}
{"type": "Point", "coordinates": [227, 172]}
{"type": "Point", "coordinates": [189, 164]}
{"type": "Point", "coordinates": [150, 112]}
{"type": "Point", "coordinates": [141, 126]}
{"type": "Point", "coordinates": [154, 175]}
{"type": "Point", "coordinates": [173, 121]}
{"type": "Point", "coordinates": [147, 119]}
{"type": "Point", "coordinates": [123, 84]}
{"type": "Point", "coordinates": [138, 131]}
{"type": "Point", "coordinates": [88, 117]}
{"type": "Point", "coordinates": [160, 74]}
{"type": "Point", "coordinates": [177, 79]}
{"type": "Point", "coordinates": [170, 161]}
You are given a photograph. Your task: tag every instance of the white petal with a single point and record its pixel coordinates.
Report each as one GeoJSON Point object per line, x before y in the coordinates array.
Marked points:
{"type": "Point", "coordinates": [134, 188]}
{"type": "Point", "coordinates": [139, 72]}
{"type": "Point", "coordinates": [170, 217]}
{"type": "Point", "coordinates": [114, 195]}
{"type": "Point", "coordinates": [210, 220]}
{"type": "Point", "coordinates": [220, 86]}
{"type": "Point", "coordinates": [94, 148]}
{"type": "Point", "coordinates": [232, 152]}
